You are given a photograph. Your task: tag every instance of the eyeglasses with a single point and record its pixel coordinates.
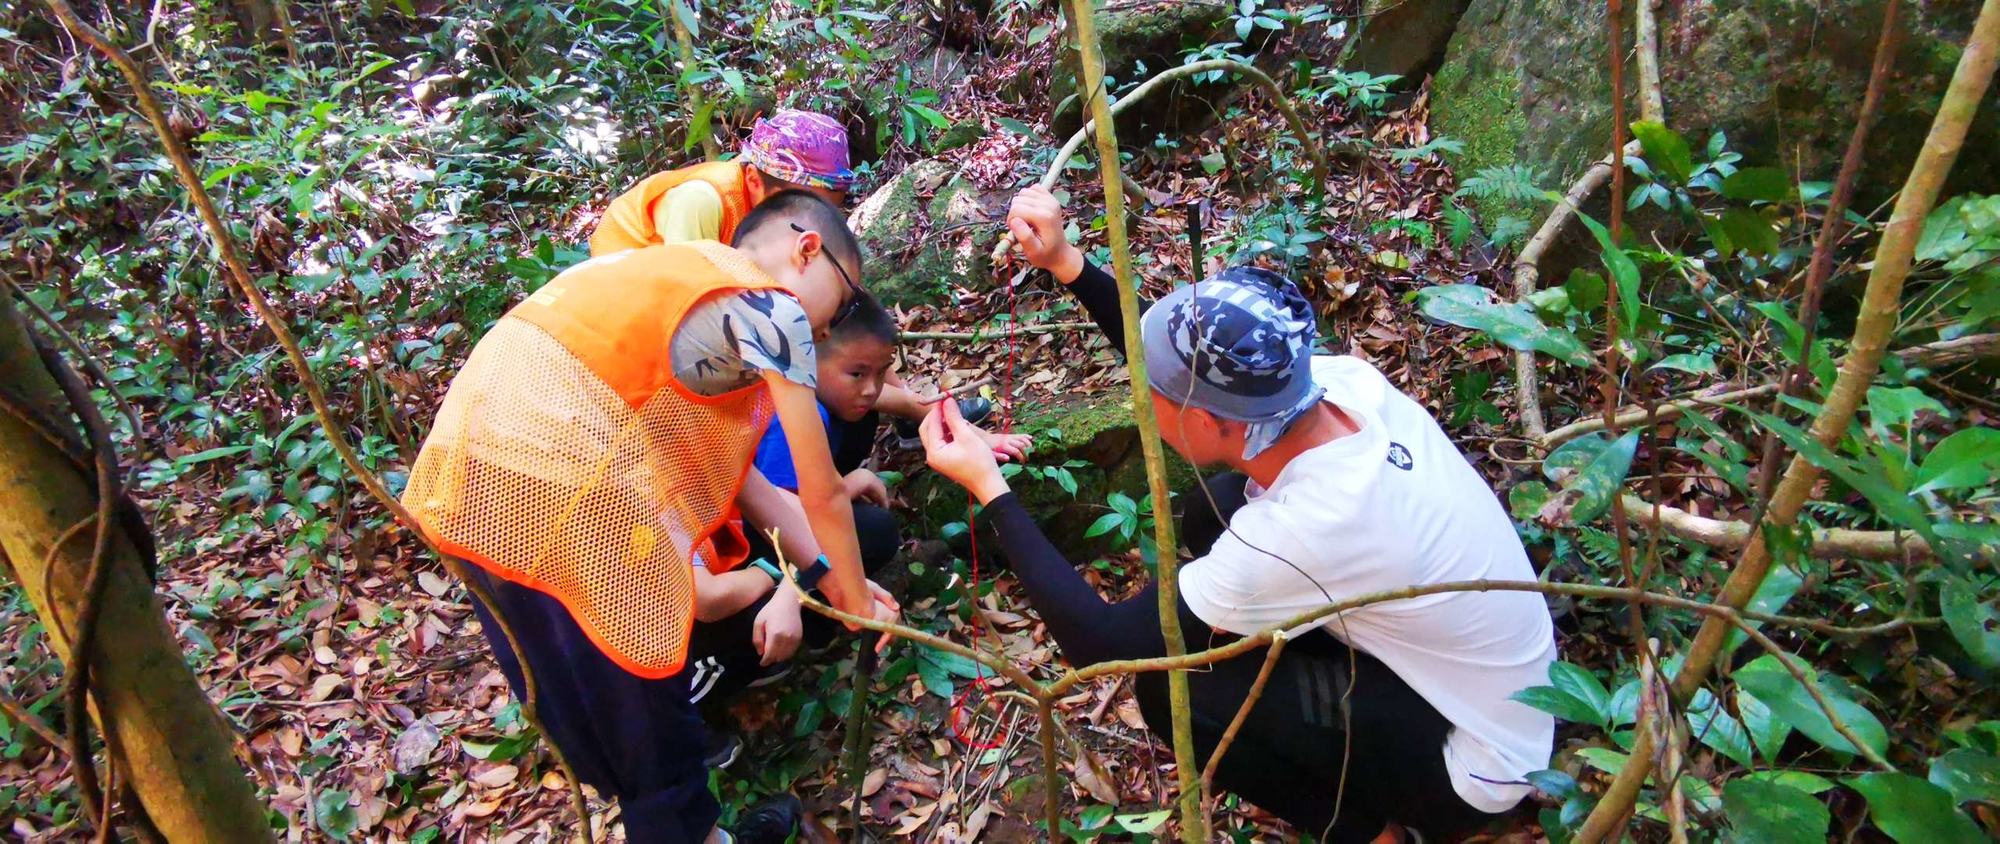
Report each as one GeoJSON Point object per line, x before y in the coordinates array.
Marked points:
{"type": "Point", "coordinates": [853, 290]}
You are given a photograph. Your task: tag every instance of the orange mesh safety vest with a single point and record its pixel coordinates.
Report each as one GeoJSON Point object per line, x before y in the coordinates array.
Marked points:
{"type": "Point", "coordinates": [566, 456]}
{"type": "Point", "coordinates": [628, 222]}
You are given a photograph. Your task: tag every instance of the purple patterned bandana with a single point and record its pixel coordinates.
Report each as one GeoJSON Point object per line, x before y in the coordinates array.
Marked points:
{"type": "Point", "coordinates": [801, 147]}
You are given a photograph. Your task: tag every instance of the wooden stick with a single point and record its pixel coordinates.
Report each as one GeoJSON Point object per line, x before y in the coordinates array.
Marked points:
{"type": "Point", "coordinates": [970, 387]}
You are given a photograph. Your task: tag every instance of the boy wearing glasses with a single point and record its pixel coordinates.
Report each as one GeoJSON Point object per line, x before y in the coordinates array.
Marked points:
{"type": "Point", "coordinates": [589, 459]}
{"type": "Point", "coordinates": [791, 150]}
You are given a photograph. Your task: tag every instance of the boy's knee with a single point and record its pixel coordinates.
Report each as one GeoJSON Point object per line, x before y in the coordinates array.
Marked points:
{"type": "Point", "coordinates": [879, 534]}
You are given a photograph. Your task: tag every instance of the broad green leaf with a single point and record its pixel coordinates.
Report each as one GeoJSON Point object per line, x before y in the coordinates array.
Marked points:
{"type": "Point", "coordinates": [1897, 407]}
{"type": "Point", "coordinates": [1697, 364]}
{"type": "Point", "coordinates": [1513, 324]}
{"type": "Point", "coordinates": [1605, 759]}
{"type": "Point", "coordinates": [1625, 703]}
{"type": "Point", "coordinates": [1758, 184]}
{"type": "Point", "coordinates": [1750, 232]}
{"type": "Point", "coordinates": [1807, 782]}
{"type": "Point", "coordinates": [1968, 774]}
{"type": "Point", "coordinates": [1598, 483]}
{"type": "Point", "coordinates": [1768, 812]}
{"type": "Point", "coordinates": [335, 814]}
{"type": "Point", "coordinates": [1553, 783]}
{"type": "Point", "coordinates": [1104, 525]}
{"type": "Point", "coordinates": [1975, 622]}
{"type": "Point", "coordinates": [1967, 458]}
{"type": "Point", "coordinates": [1715, 727]}
{"type": "Point", "coordinates": [1665, 149]}
{"type": "Point", "coordinates": [957, 665]}
{"type": "Point", "coordinates": [1890, 501]}
{"type": "Point", "coordinates": [1527, 498]}
{"type": "Point", "coordinates": [684, 9]}
{"type": "Point", "coordinates": [1584, 686]}
{"type": "Point", "coordinates": [1585, 289]}
{"type": "Point", "coordinates": [700, 126]}
{"type": "Point", "coordinates": [206, 455]}
{"type": "Point", "coordinates": [1571, 457]}
{"type": "Point", "coordinates": [1141, 824]}
{"type": "Point", "coordinates": [1912, 811]}
{"type": "Point", "coordinates": [1624, 272]}
{"type": "Point", "coordinates": [1768, 679]}
{"type": "Point", "coordinates": [1558, 703]}
{"type": "Point", "coordinates": [1016, 127]}
{"type": "Point", "coordinates": [930, 115]}
{"type": "Point", "coordinates": [1780, 585]}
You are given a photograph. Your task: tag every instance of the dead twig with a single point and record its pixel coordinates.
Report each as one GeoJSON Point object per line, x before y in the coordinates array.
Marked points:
{"type": "Point", "coordinates": [1242, 714]}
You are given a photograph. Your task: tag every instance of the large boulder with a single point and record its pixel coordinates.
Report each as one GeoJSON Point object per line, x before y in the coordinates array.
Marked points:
{"type": "Point", "coordinates": [1405, 38]}
{"type": "Point", "coordinates": [1527, 82]}
{"type": "Point", "coordinates": [921, 232]}
{"type": "Point", "coordinates": [1140, 40]}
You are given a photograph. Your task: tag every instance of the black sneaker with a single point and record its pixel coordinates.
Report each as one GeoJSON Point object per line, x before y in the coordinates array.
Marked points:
{"type": "Point", "coordinates": [774, 820]}
{"type": "Point", "coordinates": [974, 409]}
{"type": "Point", "coordinates": [721, 749]}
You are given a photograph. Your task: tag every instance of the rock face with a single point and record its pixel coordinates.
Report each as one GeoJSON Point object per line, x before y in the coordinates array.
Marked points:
{"type": "Point", "coordinates": [1527, 81]}
{"type": "Point", "coordinates": [1406, 38]}
{"type": "Point", "coordinates": [919, 235]}
{"type": "Point", "coordinates": [1139, 40]}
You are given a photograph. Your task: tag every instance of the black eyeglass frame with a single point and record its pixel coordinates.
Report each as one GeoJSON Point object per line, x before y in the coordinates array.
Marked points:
{"type": "Point", "coordinates": [853, 290]}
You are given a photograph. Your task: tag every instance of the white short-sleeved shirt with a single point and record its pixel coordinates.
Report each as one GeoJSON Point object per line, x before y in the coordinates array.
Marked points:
{"type": "Point", "coordinates": [1396, 505]}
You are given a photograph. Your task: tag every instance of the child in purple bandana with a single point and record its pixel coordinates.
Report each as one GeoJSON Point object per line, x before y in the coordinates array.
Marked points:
{"type": "Point", "coordinates": [790, 150]}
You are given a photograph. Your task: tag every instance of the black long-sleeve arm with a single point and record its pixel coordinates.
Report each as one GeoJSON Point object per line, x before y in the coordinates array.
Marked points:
{"type": "Point", "coordinates": [1098, 292]}
{"type": "Point", "coordinates": [1089, 628]}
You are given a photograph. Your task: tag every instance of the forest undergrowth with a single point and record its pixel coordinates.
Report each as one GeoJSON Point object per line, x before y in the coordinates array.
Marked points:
{"type": "Point", "coordinates": [401, 174]}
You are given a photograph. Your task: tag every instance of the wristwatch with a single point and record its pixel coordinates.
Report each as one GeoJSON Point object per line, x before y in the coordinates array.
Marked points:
{"type": "Point", "coordinates": [809, 576]}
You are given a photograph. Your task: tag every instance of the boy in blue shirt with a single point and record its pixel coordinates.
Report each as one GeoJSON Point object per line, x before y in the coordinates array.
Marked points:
{"type": "Point", "coordinates": [731, 653]}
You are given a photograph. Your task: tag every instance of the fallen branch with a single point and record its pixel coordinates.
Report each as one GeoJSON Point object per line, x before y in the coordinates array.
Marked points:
{"type": "Point", "coordinates": [1270, 86]}
{"type": "Point", "coordinates": [1930, 356]}
{"type": "Point", "coordinates": [1827, 543]}
{"type": "Point", "coordinates": [1527, 274]}
{"type": "Point", "coordinates": [239, 274]}
{"type": "Point", "coordinates": [1023, 331]}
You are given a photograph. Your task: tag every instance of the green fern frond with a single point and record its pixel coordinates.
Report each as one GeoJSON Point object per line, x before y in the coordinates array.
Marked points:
{"type": "Point", "coordinates": [1513, 182]}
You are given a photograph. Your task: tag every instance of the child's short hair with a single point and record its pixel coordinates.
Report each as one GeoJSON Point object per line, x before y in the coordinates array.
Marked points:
{"type": "Point", "coordinates": [868, 319]}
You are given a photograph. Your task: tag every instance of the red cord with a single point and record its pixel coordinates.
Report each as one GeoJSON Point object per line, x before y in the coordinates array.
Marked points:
{"type": "Point", "coordinates": [971, 520]}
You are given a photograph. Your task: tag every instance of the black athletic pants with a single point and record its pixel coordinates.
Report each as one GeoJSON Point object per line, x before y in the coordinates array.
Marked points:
{"type": "Point", "coordinates": [722, 661]}
{"type": "Point", "coordinates": [1337, 744]}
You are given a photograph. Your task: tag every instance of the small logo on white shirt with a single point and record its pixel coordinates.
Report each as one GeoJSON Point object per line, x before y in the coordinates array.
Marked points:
{"type": "Point", "coordinates": [1399, 457]}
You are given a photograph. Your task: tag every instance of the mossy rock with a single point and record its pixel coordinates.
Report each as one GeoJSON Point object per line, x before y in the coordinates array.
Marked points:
{"type": "Point", "coordinates": [1405, 38]}
{"type": "Point", "coordinates": [1100, 432]}
{"type": "Point", "coordinates": [1527, 82]}
{"type": "Point", "coordinates": [919, 233]}
{"type": "Point", "coordinates": [1139, 40]}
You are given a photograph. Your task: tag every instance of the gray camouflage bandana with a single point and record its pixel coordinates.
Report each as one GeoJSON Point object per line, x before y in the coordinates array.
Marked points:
{"type": "Point", "coordinates": [1239, 346]}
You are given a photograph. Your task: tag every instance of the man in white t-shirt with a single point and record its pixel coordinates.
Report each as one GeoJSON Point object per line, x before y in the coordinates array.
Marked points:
{"type": "Point", "coordinates": [1399, 716]}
